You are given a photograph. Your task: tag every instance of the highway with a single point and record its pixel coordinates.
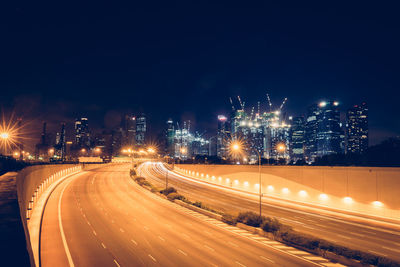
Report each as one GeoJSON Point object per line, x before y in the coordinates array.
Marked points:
{"type": "Point", "coordinates": [356, 235]}
{"type": "Point", "coordinates": [103, 218]}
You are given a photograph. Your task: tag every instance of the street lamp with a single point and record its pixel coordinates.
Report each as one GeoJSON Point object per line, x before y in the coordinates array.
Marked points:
{"type": "Point", "coordinates": [281, 148]}
{"type": "Point", "coordinates": [236, 146]}
{"type": "Point", "coordinates": [4, 136]}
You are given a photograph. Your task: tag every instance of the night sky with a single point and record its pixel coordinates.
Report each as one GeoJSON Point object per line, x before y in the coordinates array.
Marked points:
{"type": "Point", "coordinates": [183, 60]}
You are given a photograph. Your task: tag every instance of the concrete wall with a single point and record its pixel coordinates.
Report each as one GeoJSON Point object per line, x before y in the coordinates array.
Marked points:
{"type": "Point", "coordinates": [374, 191]}
{"type": "Point", "coordinates": [31, 181]}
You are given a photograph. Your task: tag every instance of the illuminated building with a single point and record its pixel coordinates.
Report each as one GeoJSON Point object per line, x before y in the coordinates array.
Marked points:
{"type": "Point", "coordinates": [357, 129]}
{"type": "Point", "coordinates": [42, 148]}
{"type": "Point", "coordinates": [223, 135]}
{"type": "Point", "coordinates": [128, 130]}
{"type": "Point", "coordinates": [297, 132]}
{"type": "Point", "coordinates": [140, 130]}
{"type": "Point", "coordinates": [170, 136]}
{"type": "Point", "coordinates": [60, 146]}
{"type": "Point", "coordinates": [82, 136]}
{"type": "Point", "coordinates": [323, 132]}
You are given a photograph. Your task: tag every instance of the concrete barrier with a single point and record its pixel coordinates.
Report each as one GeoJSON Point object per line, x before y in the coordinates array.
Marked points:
{"type": "Point", "coordinates": [371, 191]}
{"type": "Point", "coordinates": [31, 183]}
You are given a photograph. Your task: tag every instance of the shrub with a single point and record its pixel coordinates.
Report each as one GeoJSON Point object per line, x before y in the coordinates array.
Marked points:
{"type": "Point", "coordinates": [250, 218]}
{"type": "Point", "coordinates": [271, 225]}
{"type": "Point", "coordinates": [142, 181]}
{"type": "Point", "coordinates": [298, 239]}
{"type": "Point", "coordinates": [385, 262]}
{"type": "Point", "coordinates": [173, 196]}
{"type": "Point", "coordinates": [229, 219]}
{"type": "Point", "coordinates": [132, 173]}
{"type": "Point", "coordinates": [198, 204]}
{"type": "Point", "coordinates": [168, 191]}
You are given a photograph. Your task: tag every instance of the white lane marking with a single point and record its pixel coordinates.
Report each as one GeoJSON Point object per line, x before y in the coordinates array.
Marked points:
{"type": "Point", "coordinates": [210, 248]}
{"type": "Point", "coordinates": [116, 263]}
{"type": "Point", "coordinates": [379, 253]}
{"type": "Point", "coordinates": [182, 252]}
{"type": "Point", "coordinates": [122, 230]}
{"type": "Point", "coordinates": [393, 249]}
{"type": "Point", "coordinates": [357, 234]}
{"type": "Point", "coordinates": [343, 236]}
{"type": "Point", "coordinates": [134, 242]}
{"type": "Point", "coordinates": [185, 235]}
{"type": "Point", "coordinates": [104, 246]}
{"type": "Point", "coordinates": [233, 244]}
{"type": "Point", "coordinates": [264, 258]}
{"type": "Point", "coordinates": [161, 238]}
{"type": "Point", "coordinates": [94, 232]}
{"type": "Point", "coordinates": [240, 264]}
{"type": "Point", "coordinates": [151, 257]}
{"type": "Point", "coordinates": [71, 263]}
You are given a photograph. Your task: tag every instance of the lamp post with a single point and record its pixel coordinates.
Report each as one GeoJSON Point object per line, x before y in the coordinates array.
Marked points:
{"type": "Point", "coordinates": [236, 146]}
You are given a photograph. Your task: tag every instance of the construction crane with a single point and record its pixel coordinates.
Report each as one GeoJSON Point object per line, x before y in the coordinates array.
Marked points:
{"type": "Point", "coordinates": [269, 102]}
{"type": "Point", "coordinates": [240, 102]}
{"type": "Point", "coordinates": [283, 103]}
{"type": "Point", "coordinates": [233, 106]}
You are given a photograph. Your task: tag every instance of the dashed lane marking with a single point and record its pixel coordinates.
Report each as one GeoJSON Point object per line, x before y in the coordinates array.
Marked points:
{"type": "Point", "coordinates": [116, 263]}
{"type": "Point", "coordinates": [241, 264]}
{"type": "Point", "coordinates": [264, 258]}
{"type": "Point", "coordinates": [104, 246]}
{"type": "Point", "coordinates": [210, 248]}
{"type": "Point", "coordinates": [182, 252]}
{"type": "Point", "coordinates": [151, 257]}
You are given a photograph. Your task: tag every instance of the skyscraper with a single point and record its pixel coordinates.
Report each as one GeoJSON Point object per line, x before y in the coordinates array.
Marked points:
{"type": "Point", "coordinates": [323, 132]}
{"type": "Point", "coordinates": [329, 131]}
{"type": "Point", "coordinates": [297, 139]}
{"type": "Point", "coordinates": [357, 129]}
{"type": "Point", "coordinates": [128, 130]}
{"type": "Point", "coordinates": [170, 136]}
{"type": "Point", "coordinates": [140, 130]}
{"type": "Point", "coordinates": [223, 135]}
{"type": "Point", "coordinates": [310, 133]}
{"type": "Point", "coordinates": [82, 136]}
{"type": "Point", "coordinates": [61, 146]}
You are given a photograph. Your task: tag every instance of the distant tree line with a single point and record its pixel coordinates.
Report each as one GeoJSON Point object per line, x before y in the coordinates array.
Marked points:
{"type": "Point", "coordinates": [9, 164]}
{"type": "Point", "coordinates": [385, 154]}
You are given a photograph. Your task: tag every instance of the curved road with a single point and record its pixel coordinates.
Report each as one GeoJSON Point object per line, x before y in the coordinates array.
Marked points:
{"type": "Point", "coordinates": [103, 218]}
{"type": "Point", "coordinates": [357, 235]}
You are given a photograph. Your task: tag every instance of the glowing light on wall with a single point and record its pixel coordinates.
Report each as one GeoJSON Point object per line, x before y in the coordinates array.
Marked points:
{"type": "Point", "coordinates": [377, 204]}
{"type": "Point", "coordinates": [207, 176]}
{"type": "Point", "coordinates": [197, 174]}
{"type": "Point", "coordinates": [270, 188]}
{"type": "Point", "coordinates": [202, 175]}
{"type": "Point", "coordinates": [285, 190]}
{"type": "Point", "coordinates": [227, 180]}
{"type": "Point", "coordinates": [348, 200]}
{"type": "Point", "coordinates": [246, 183]}
{"type": "Point", "coordinates": [303, 193]}
{"type": "Point", "coordinates": [323, 197]}
{"type": "Point", "coordinates": [256, 185]}
{"type": "Point", "coordinates": [213, 177]}
{"type": "Point", "coordinates": [236, 182]}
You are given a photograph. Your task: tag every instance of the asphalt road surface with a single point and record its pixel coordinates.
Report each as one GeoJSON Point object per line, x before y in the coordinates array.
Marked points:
{"type": "Point", "coordinates": [358, 235]}
{"type": "Point", "coordinates": [103, 218]}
